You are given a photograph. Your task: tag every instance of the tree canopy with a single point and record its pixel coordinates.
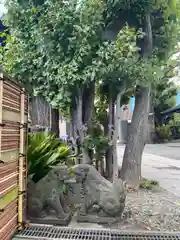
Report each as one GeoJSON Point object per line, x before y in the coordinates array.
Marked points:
{"type": "Point", "coordinates": [65, 50]}
{"type": "Point", "coordinates": [56, 45]}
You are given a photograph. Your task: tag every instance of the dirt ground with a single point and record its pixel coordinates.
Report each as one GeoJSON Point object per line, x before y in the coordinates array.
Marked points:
{"type": "Point", "coordinates": [150, 210]}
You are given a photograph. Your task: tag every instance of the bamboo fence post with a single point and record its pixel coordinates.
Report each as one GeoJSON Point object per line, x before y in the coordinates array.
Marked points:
{"type": "Point", "coordinates": [1, 111]}
{"type": "Point", "coordinates": [21, 159]}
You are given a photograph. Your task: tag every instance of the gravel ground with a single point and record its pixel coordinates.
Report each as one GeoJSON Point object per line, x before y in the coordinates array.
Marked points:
{"type": "Point", "coordinates": [156, 210]}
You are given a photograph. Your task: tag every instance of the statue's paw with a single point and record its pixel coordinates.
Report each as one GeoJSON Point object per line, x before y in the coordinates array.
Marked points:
{"type": "Point", "coordinates": [60, 216]}
{"type": "Point", "coordinates": [43, 215]}
{"type": "Point", "coordinates": [67, 210]}
{"type": "Point", "coordinates": [102, 214]}
{"type": "Point", "coordinates": [82, 213]}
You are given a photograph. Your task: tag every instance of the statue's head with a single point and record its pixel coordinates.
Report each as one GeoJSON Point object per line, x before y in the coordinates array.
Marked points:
{"type": "Point", "coordinates": [80, 172]}
{"type": "Point", "coordinates": [59, 173]}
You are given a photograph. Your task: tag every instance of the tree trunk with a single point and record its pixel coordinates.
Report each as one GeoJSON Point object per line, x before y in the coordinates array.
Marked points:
{"type": "Point", "coordinates": [40, 112]}
{"type": "Point", "coordinates": [151, 124]}
{"type": "Point", "coordinates": [116, 133]}
{"type": "Point", "coordinates": [120, 136]}
{"type": "Point", "coordinates": [81, 118]}
{"type": "Point", "coordinates": [88, 104]}
{"type": "Point", "coordinates": [74, 134]}
{"type": "Point", "coordinates": [131, 167]}
{"type": "Point", "coordinates": [73, 117]}
{"type": "Point", "coordinates": [109, 153]}
{"type": "Point", "coordinates": [80, 126]}
{"type": "Point", "coordinates": [102, 166]}
{"type": "Point", "coordinates": [105, 126]}
{"type": "Point", "coordinates": [55, 121]}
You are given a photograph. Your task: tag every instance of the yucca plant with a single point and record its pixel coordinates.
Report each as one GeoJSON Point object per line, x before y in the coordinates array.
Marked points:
{"type": "Point", "coordinates": [45, 151]}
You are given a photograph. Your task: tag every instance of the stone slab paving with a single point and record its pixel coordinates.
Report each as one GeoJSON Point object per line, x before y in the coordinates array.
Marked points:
{"type": "Point", "coordinates": [84, 225]}
{"type": "Point", "coordinates": [163, 169]}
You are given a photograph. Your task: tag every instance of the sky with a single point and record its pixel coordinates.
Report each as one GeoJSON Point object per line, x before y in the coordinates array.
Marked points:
{"type": "Point", "coordinates": [1, 7]}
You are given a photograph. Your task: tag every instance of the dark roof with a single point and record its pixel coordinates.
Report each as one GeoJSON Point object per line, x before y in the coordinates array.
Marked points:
{"type": "Point", "coordinates": [2, 29]}
{"type": "Point", "coordinates": [171, 110]}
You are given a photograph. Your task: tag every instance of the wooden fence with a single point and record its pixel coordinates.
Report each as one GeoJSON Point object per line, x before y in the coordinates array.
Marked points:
{"type": "Point", "coordinates": [13, 167]}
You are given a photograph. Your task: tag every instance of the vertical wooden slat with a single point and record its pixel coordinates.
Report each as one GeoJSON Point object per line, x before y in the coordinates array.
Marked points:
{"type": "Point", "coordinates": [1, 100]}
{"type": "Point", "coordinates": [21, 161]}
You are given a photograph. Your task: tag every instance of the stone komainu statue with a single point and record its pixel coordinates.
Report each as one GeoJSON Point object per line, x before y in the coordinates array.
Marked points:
{"type": "Point", "coordinates": [47, 194]}
{"type": "Point", "coordinates": [106, 198]}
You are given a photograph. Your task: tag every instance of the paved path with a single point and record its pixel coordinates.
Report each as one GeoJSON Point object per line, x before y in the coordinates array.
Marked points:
{"type": "Point", "coordinates": [168, 150]}
{"type": "Point", "coordinates": [163, 169]}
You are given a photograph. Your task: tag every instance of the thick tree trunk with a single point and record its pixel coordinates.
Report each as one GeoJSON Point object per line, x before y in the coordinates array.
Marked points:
{"type": "Point", "coordinates": [55, 121]}
{"type": "Point", "coordinates": [131, 167]}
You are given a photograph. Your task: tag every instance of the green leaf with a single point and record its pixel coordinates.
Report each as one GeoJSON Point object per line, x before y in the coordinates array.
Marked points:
{"type": "Point", "coordinates": [45, 151]}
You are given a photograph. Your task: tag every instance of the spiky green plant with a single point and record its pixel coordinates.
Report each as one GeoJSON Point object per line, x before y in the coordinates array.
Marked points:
{"type": "Point", "coordinates": [45, 151]}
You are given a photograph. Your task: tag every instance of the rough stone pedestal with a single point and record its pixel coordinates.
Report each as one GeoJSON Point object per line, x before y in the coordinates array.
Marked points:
{"type": "Point", "coordinates": [52, 220]}
{"type": "Point", "coordinates": [92, 218]}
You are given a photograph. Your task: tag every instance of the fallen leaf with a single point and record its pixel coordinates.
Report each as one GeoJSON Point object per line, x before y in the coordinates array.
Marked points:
{"type": "Point", "coordinates": [148, 228]}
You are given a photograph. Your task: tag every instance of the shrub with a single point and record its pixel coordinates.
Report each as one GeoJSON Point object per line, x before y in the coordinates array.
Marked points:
{"type": "Point", "coordinates": [148, 184]}
{"type": "Point", "coordinates": [175, 125]}
{"type": "Point", "coordinates": [164, 132]}
{"type": "Point", "coordinates": [96, 144]}
{"type": "Point", "coordinates": [44, 151]}
{"type": "Point", "coordinates": [175, 121]}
